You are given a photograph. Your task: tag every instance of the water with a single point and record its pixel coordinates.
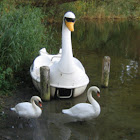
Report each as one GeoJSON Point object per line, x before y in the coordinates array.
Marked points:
{"type": "Point", "coordinates": [120, 102]}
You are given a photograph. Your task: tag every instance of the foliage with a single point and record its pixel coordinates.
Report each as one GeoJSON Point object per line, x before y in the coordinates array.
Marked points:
{"type": "Point", "coordinates": [6, 77]}
{"type": "Point", "coordinates": [77, 7]}
{"type": "Point", "coordinates": [98, 9]}
{"type": "Point", "coordinates": [22, 35]}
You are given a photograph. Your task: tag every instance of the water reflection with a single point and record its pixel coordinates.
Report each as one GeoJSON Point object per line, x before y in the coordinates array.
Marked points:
{"type": "Point", "coordinates": [130, 70]}
{"type": "Point", "coordinates": [113, 38]}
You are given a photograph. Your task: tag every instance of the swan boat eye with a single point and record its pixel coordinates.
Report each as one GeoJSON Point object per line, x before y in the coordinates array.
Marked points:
{"type": "Point", "coordinates": [70, 19]}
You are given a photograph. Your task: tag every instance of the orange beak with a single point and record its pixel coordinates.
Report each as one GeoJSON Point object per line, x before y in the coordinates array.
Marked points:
{"type": "Point", "coordinates": [70, 25]}
{"type": "Point", "coordinates": [40, 104]}
{"type": "Point", "coordinates": [98, 94]}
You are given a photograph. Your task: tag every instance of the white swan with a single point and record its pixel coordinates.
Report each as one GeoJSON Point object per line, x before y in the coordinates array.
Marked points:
{"type": "Point", "coordinates": [29, 110]}
{"type": "Point", "coordinates": [85, 111]}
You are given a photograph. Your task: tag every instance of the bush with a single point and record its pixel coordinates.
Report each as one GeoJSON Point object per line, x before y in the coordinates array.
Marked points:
{"type": "Point", "coordinates": [90, 9]}
{"type": "Point", "coordinates": [22, 35]}
{"type": "Point", "coordinates": [6, 78]}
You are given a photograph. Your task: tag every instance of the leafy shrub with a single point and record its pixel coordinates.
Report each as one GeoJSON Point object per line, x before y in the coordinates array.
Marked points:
{"type": "Point", "coordinates": [6, 78]}
{"type": "Point", "coordinates": [98, 9]}
{"type": "Point", "coordinates": [22, 35]}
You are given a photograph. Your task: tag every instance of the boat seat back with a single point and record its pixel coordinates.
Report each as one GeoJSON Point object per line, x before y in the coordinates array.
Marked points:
{"type": "Point", "coordinates": [40, 61]}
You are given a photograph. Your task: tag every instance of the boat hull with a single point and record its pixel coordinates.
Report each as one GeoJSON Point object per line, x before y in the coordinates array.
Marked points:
{"type": "Point", "coordinates": [76, 91]}
{"type": "Point", "coordinates": [62, 85]}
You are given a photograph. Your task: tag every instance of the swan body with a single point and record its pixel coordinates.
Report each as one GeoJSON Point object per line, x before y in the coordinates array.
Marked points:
{"type": "Point", "coordinates": [66, 71]}
{"type": "Point", "coordinates": [85, 111]}
{"type": "Point", "coordinates": [29, 110]}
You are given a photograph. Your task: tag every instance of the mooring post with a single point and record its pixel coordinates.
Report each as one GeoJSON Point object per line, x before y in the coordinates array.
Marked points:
{"type": "Point", "coordinates": [105, 71]}
{"type": "Point", "coordinates": [45, 82]}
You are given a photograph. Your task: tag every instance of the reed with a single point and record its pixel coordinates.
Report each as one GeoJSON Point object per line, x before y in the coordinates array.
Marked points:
{"type": "Point", "coordinates": [22, 35]}
{"type": "Point", "coordinates": [97, 9]}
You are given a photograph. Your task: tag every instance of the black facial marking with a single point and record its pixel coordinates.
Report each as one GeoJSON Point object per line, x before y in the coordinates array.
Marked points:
{"type": "Point", "coordinates": [70, 19]}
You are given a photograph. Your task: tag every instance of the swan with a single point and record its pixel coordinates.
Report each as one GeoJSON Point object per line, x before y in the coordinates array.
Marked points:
{"type": "Point", "coordinates": [85, 111]}
{"type": "Point", "coordinates": [29, 110]}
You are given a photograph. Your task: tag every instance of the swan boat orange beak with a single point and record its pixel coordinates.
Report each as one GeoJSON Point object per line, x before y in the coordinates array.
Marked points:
{"type": "Point", "coordinates": [70, 23]}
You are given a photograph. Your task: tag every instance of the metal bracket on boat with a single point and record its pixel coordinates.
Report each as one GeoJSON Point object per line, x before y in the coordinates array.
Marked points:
{"type": "Point", "coordinates": [58, 94]}
{"type": "Point", "coordinates": [64, 97]}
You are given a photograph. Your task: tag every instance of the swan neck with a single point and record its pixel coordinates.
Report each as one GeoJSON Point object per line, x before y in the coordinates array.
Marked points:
{"type": "Point", "coordinates": [66, 42]}
{"type": "Point", "coordinates": [92, 100]}
{"type": "Point", "coordinates": [66, 62]}
{"type": "Point", "coordinates": [33, 103]}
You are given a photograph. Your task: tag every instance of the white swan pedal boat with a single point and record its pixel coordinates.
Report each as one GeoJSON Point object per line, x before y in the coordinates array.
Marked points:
{"type": "Point", "coordinates": [67, 74]}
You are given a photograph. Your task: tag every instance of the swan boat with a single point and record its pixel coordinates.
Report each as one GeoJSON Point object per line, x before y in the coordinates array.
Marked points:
{"type": "Point", "coordinates": [67, 74]}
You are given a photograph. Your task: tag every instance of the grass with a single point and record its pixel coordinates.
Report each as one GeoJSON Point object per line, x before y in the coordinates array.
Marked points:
{"type": "Point", "coordinates": [89, 9]}
{"type": "Point", "coordinates": [22, 35]}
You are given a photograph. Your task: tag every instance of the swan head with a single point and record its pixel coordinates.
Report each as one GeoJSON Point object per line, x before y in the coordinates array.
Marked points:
{"type": "Point", "coordinates": [69, 20]}
{"type": "Point", "coordinates": [95, 89]}
{"type": "Point", "coordinates": [37, 99]}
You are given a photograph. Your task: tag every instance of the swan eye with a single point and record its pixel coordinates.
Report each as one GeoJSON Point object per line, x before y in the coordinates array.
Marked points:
{"type": "Point", "coordinates": [70, 19]}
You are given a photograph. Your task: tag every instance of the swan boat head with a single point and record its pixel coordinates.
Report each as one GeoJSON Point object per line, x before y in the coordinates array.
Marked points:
{"type": "Point", "coordinates": [67, 72]}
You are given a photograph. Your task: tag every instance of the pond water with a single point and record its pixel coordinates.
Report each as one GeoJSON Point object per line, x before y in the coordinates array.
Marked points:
{"type": "Point", "coordinates": [120, 102]}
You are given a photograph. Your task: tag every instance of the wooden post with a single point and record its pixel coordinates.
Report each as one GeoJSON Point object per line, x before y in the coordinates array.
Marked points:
{"type": "Point", "coordinates": [45, 82]}
{"type": "Point", "coordinates": [105, 71]}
